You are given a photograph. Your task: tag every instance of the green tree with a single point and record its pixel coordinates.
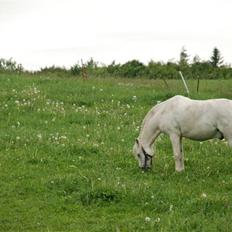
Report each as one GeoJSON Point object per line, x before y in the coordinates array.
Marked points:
{"type": "Point", "coordinates": [183, 57]}
{"type": "Point", "coordinates": [132, 68]}
{"type": "Point", "coordinates": [216, 59]}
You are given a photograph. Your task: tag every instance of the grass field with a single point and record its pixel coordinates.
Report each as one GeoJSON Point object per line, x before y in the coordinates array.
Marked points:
{"type": "Point", "coordinates": [66, 161]}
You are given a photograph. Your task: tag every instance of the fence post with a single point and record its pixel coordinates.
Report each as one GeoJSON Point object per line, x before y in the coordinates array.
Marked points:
{"type": "Point", "coordinates": [185, 85]}
{"type": "Point", "coordinates": [198, 83]}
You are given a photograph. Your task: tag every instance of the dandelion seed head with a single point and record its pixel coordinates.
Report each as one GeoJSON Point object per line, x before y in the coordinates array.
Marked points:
{"type": "Point", "coordinates": [203, 195]}
{"type": "Point", "coordinates": [147, 219]}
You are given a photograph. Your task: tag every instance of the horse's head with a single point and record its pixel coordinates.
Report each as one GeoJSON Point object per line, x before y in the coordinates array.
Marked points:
{"type": "Point", "coordinates": [143, 156]}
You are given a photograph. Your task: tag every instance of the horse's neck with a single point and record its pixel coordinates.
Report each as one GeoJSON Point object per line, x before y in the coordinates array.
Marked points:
{"type": "Point", "coordinates": [147, 135]}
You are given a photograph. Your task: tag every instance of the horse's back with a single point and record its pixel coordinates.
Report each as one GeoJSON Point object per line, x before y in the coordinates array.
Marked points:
{"type": "Point", "coordinates": [192, 118]}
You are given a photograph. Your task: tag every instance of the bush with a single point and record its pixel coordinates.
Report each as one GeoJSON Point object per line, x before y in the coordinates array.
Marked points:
{"type": "Point", "coordinates": [10, 66]}
{"type": "Point", "coordinates": [75, 70]}
{"type": "Point", "coordinates": [132, 68]}
{"type": "Point", "coordinates": [54, 71]}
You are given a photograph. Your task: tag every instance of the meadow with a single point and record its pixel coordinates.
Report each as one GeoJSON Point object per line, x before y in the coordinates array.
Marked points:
{"type": "Point", "coordinates": [66, 159]}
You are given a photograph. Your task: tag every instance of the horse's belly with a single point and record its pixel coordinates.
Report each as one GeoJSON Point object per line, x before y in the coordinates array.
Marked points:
{"type": "Point", "coordinates": [200, 134]}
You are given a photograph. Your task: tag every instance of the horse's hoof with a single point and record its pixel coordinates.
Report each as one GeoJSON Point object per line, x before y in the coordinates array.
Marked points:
{"type": "Point", "coordinates": [179, 169]}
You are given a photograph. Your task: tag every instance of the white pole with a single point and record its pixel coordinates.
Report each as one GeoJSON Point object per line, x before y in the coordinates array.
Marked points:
{"type": "Point", "coordinates": [185, 85]}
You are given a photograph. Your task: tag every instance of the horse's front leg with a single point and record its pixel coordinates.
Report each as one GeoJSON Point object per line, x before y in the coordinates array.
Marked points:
{"type": "Point", "coordinates": [178, 152]}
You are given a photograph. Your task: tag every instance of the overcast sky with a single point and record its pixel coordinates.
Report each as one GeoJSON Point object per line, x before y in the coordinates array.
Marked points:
{"type": "Point", "coordinates": [38, 33]}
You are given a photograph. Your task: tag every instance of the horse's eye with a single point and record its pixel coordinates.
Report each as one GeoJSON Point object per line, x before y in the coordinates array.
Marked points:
{"type": "Point", "coordinates": [138, 155]}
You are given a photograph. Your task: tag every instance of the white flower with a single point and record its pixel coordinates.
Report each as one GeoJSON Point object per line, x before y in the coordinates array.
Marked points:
{"type": "Point", "coordinates": [171, 208]}
{"type": "Point", "coordinates": [63, 137]}
{"type": "Point", "coordinates": [39, 136]}
{"type": "Point", "coordinates": [203, 195]}
{"type": "Point", "coordinates": [147, 219]}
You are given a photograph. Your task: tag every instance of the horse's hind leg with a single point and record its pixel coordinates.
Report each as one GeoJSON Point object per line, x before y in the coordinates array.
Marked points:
{"type": "Point", "coordinates": [230, 142]}
{"type": "Point", "coordinates": [177, 150]}
{"type": "Point", "coordinates": [227, 134]}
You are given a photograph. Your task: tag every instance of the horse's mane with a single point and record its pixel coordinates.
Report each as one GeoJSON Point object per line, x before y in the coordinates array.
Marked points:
{"type": "Point", "coordinates": [149, 115]}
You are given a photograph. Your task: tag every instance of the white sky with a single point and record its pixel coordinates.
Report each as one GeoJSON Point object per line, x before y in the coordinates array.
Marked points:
{"type": "Point", "coordinates": [38, 33]}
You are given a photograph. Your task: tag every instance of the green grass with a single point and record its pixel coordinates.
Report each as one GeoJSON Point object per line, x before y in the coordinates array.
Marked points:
{"type": "Point", "coordinates": [66, 162]}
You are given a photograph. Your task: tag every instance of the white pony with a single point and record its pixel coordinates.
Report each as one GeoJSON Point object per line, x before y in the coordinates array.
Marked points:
{"type": "Point", "coordinates": [183, 117]}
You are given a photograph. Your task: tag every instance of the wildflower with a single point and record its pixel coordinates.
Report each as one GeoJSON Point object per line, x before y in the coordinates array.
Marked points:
{"type": "Point", "coordinates": [171, 208]}
{"type": "Point", "coordinates": [203, 195]}
{"type": "Point", "coordinates": [39, 136]}
{"type": "Point", "coordinates": [147, 219]}
{"type": "Point", "coordinates": [157, 219]}
{"type": "Point", "coordinates": [63, 137]}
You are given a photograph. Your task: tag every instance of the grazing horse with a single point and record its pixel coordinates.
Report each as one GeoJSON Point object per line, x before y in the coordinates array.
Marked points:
{"type": "Point", "coordinates": [180, 117]}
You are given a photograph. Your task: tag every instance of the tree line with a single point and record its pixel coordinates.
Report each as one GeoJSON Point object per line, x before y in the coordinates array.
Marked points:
{"type": "Point", "coordinates": [214, 68]}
